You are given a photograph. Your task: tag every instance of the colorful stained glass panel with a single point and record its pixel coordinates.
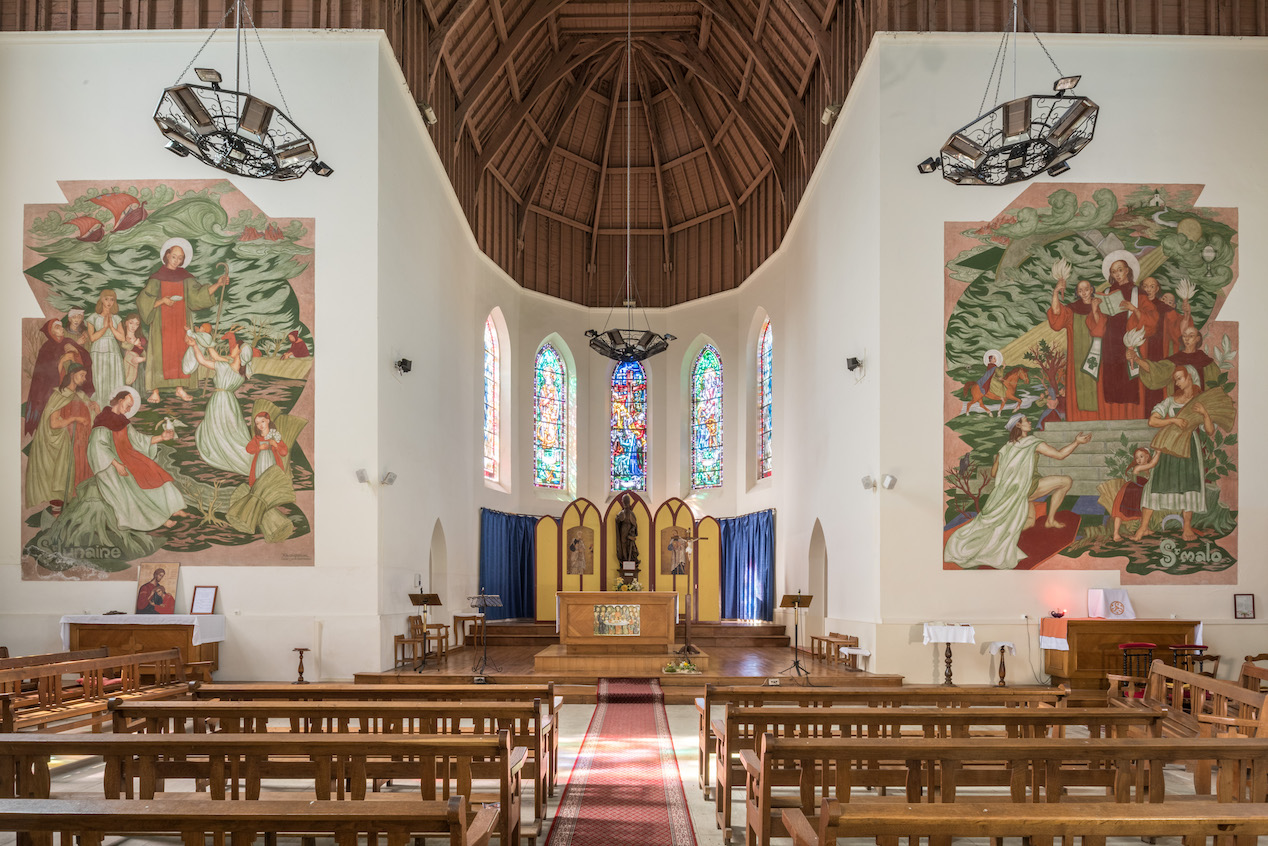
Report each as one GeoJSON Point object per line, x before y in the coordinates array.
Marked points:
{"type": "Point", "coordinates": [706, 420]}
{"type": "Point", "coordinates": [765, 403]}
{"type": "Point", "coordinates": [550, 416]}
{"type": "Point", "coordinates": [629, 427]}
{"type": "Point", "coordinates": [492, 397]}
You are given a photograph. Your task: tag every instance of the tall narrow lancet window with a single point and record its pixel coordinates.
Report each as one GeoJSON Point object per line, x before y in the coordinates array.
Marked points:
{"type": "Point", "coordinates": [706, 419]}
{"type": "Point", "coordinates": [492, 400]}
{"type": "Point", "coordinates": [550, 419]}
{"type": "Point", "coordinates": [629, 427]}
{"type": "Point", "coordinates": [765, 404]}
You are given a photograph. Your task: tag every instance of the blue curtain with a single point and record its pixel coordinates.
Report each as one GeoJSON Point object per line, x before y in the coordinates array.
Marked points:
{"type": "Point", "coordinates": [507, 551]}
{"type": "Point", "coordinates": [748, 566]}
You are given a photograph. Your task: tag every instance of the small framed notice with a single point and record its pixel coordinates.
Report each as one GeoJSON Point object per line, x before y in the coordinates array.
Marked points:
{"type": "Point", "coordinates": [204, 601]}
{"type": "Point", "coordinates": [1243, 606]}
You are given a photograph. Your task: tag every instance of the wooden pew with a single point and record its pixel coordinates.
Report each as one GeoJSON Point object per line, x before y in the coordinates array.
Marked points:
{"type": "Point", "coordinates": [88, 821]}
{"type": "Point", "coordinates": [552, 702]}
{"type": "Point", "coordinates": [523, 720]}
{"type": "Point", "coordinates": [238, 766]}
{"type": "Point", "coordinates": [7, 663]}
{"type": "Point", "coordinates": [873, 691]}
{"type": "Point", "coordinates": [39, 697]}
{"type": "Point", "coordinates": [1088, 822]}
{"type": "Point", "coordinates": [742, 728]}
{"type": "Point", "coordinates": [1033, 769]}
{"type": "Point", "coordinates": [1252, 677]}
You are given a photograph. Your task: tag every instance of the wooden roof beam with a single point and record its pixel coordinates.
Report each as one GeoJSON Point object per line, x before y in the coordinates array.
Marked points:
{"type": "Point", "coordinates": [607, 149]}
{"type": "Point", "coordinates": [652, 134]}
{"type": "Point", "coordinates": [823, 45]}
{"type": "Point", "coordinates": [707, 71]}
{"type": "Point", "coordinates": [499, 23]}
{"type": "Point", "coordinates": [575, 96]}
{"type": "Point", "coordinates": [752, 42]}
{"type": "Point", "coordinates": [537, 13]}
{"type": "Point", "coordinates": [687, 99]}
{"type": "Point", "coordinates": [565, 61]}
{"type": "Point", "coordinates": [436, 43]}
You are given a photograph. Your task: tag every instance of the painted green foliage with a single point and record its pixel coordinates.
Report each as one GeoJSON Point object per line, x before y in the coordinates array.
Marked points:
{"type": "Point", "coordinates": [254, 325]}
{"type": "Point", "coordinates": [1008, 355]}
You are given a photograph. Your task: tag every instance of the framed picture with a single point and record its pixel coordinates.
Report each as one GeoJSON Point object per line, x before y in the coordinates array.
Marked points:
{"type": "Point", "coordinates": [156, 588]}
{"type": "Point", "coordinates": [204, 600]}
{"type": "Point", "coordinates": [1243, 606]}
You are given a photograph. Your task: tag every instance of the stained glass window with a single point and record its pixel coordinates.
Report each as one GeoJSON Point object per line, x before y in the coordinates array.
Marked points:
{"type": "Point", "coordinates": [550, 418]}
{"type": "Point", "coordinates": [629, 427]}
{"type": "Point", "coordinates": [706, 420]}
{"type": "Point", "coordinates": [765, 405]}
{"type": "Point", "coordinates": [492, 397]}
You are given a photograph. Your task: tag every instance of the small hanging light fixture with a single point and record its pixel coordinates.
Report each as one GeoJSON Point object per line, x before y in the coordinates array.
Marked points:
{"type": "Point", "coordinates": [628, 344]}
{"type": "Point", "coordinates": [233, 130]}
{"type": "Point", "coordinates": [1023, 137]}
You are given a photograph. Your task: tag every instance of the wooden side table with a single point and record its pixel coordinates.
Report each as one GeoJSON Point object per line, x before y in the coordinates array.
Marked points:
{"type": "Point", "coordinates": [470, 635]}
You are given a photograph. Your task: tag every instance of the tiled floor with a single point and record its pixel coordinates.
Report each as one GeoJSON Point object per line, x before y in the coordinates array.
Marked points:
{"type": "Point", "coordinates": [573, 724]}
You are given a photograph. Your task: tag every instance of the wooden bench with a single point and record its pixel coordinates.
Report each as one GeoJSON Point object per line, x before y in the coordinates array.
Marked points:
{"type": "Point", "coordinates": [800, 772]}
{"type": "Point", "coordinates": [1196, 705]}
{"type": "Point", "coordinates": [333, 692]}
{"type": "Point", "coordinates": [1253, 678]}
{"type": "Point", "coordinates": [742, 728]}
{"type": "Point", "coordinates": [1091, 824]}
{"type": "Point", "coordinates": [238, 766]}
{"type": "Point", "coordinates": [39, 696]}
{"type": "Point", "coordinates": [522, 719]}
{"type": "Point", "coordinates": [88, 821]}
{"type": "Point", "coordinates": [7, 663]}
{"type": "Point", "coordinates": [873, 691]}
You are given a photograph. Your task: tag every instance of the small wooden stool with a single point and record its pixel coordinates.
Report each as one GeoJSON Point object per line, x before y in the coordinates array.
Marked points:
{"type": "Point", "coordinates": [1137, 656]}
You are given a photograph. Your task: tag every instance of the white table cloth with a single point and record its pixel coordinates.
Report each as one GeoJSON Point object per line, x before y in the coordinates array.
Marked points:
{"type": "Point", "coordinates": [208, 628]}
{"type": "Point", "coordinates": [944, 633]}
{"type": "Point", "coordinates": [993, 647]}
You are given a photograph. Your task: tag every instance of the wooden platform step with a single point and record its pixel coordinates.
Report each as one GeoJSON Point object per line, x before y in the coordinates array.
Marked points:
{"type": "Point", "coordinates": [526, 632]}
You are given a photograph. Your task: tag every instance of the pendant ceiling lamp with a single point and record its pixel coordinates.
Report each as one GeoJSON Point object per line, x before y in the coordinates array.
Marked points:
{"type": "Point", "coordinates": [630, 343]}
{"type": "Point", "coordinates": [1020, 138]}
{"type": "Point", "coordinates": [232, 129]}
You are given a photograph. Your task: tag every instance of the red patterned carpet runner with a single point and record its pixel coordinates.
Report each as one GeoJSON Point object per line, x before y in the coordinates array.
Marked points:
{"type": "Point", "coordinates": [625, 789]}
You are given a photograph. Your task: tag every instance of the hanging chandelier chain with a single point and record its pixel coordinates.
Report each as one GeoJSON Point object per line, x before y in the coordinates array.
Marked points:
{"type": "Point", "coordinates": [1042, 46]}
{"type": "Point", "coordinates": [996, 65]}
{"type": "Point", "coordinates": [214, 30]}
{"type": "Point", "coordinates": [272, 73]}
{"type": "Point", "coordinates": [1002, 52]}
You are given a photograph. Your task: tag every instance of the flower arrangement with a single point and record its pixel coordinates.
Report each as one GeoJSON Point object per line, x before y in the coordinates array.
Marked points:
{"type": "Point", "coordinates": [681, 667]}
{"type": "Point", "coordinates": [633, 585]}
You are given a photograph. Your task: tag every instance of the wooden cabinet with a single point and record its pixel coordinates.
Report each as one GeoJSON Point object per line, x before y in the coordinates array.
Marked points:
{"type": "Point", "coordinates": [125, 638]}
{"type": "Point", "coordinates": [1094, 648]}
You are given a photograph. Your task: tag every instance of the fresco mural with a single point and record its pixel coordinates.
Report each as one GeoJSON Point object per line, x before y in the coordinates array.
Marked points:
{"type": "Point", "coordinates": [1091, 391]}
{"type": "Point", "coordinates": [167, 389]}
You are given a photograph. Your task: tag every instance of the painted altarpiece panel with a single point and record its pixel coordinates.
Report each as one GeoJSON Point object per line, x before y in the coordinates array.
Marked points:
{"type": "Point", "coordinates": [167, 388]}
{"type": "Point", "coordinates": [1090, 390]}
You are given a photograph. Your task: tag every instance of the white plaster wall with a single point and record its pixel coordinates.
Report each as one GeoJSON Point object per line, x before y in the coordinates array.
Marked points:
{"type": "Point", "coordinates": [78, 107]}
{"type": "Point", "coordinates": [1172, 111]}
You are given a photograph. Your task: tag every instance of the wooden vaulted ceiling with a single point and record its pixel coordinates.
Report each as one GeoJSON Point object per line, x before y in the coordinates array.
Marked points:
{"type": "Point", "coordinates": [722, 99]}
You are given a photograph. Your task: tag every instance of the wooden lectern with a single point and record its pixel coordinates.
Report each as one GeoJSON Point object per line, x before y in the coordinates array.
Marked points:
{"type": "Point", "coordinates": [797, 602]}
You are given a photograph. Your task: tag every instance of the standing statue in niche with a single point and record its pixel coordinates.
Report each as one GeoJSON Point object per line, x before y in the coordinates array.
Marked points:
{"type": "Point", "coordinates": [627, 531]}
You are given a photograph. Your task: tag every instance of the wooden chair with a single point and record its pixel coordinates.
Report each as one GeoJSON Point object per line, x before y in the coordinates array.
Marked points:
{"type": "Point", "coordinates": [836, 640]}
{"type": "Point", "coordinates": [415, 642]}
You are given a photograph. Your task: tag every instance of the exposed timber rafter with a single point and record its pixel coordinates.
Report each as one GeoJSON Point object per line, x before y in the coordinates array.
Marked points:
{"type": "Point", "coordinates": [653, 133]}
{"type": "Point", "coordinates": [537, 13]}
{"type": "Point", "coordinates": [564, 63]}
{"type": "Point", "coordinates": [823, 45]}
{"type": "Point", "coordinates": [752, 42]}
{"type": "Point", "coordinates": [436, 44]}
{"type": "Point", "coordinates": [686, 98]}
{"type": "Point", "coordinates": [607, 152]}
{"type": "Point", "coordinates": [575, 97]}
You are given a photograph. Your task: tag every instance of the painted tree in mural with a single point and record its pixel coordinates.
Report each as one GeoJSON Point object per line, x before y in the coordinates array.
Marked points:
{"type": "Point", "coordinates": [1091, 393]}
{"type": "Point", "coordinates": [167, 401]}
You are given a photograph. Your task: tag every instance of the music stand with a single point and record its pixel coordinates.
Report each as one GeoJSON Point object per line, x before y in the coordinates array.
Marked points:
{"type": "Point", "coordinates": [425, 601]}
{"type": "Point", "coordinates": [796, 601]}
{"type": "Point", "coordinates": [482, 601]}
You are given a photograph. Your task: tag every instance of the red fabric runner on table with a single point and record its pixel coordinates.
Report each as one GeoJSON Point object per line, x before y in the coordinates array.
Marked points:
{"type": "Point", "coordinates": [625, 789]}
